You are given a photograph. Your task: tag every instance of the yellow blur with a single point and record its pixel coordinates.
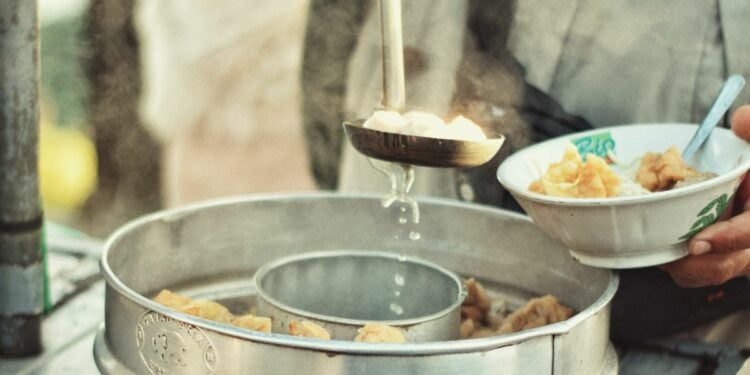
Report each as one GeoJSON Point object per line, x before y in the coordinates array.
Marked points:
{"type": "Point", "coordinates": [67, 167]}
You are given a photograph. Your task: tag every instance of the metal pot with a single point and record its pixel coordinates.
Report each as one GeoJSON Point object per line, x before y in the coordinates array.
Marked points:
{"type": "Point", "coordinates": [212, 250]}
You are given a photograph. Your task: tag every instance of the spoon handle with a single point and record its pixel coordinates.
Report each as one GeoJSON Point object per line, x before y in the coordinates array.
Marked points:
{"type": "Point", "coordinates": [394, 92]}
{"type": "Point", "coordinates": [728, 93]}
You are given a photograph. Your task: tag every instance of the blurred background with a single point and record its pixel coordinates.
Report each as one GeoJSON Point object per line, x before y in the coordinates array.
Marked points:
{"type": "Point", "coordinates": [148, 104]}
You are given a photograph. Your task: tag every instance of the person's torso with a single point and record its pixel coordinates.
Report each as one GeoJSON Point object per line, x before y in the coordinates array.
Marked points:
{"type": "Point", "coordinates": [619, 62]}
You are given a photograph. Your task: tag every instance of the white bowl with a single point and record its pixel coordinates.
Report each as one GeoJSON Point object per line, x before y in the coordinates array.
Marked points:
{"type": "Point", "coordinates": [632, 231]}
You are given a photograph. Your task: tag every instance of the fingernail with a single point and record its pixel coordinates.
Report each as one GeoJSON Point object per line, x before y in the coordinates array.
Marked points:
{"type": "Point", "coordinates": [700, 247]}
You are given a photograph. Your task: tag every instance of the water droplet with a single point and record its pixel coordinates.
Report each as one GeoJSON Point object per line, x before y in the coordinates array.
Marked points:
{"type": "Point", "coordinates": [401, 178]}
{"type": "Point", "coordinates": [388, 200]}
{"type": "Point", "coordinates": [399, 279]}
{"type": "Point", "coordinates": [402, 257]}
{"type": "Point", "coordinates": [397, 293]}
{"type": "Point", "coordinates": [396, 308]}
{"type": "Point", "coordinates": [402, 220]}
{"type": "Point", "coordinates": [414, 236]}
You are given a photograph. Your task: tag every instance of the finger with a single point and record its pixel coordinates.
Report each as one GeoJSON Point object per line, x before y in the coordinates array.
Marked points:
{"type": "Point", "coordinates": [741, 122]}
{"type": "Point", "coordinates": [723, 236]}
{"type": "Point", "coordinates": [743, 195]}
{"type": "Point", "coordinates": [731, 210]}
{"type": "Point", "coordinates": [709, 269]}
{"type": "Point", "coordinates": [738, 203]}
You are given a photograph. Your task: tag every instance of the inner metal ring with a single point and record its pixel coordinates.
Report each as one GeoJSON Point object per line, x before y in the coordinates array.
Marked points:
{"type": "Point", "coordinates": [344, 290]}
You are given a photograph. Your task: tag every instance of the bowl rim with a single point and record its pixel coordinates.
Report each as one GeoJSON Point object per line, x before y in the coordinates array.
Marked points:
{"type": "Point", "coordinates": [721, 179]}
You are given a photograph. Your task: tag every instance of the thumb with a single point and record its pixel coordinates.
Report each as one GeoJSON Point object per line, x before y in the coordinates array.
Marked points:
{"type": "Point", "coordinates": [741, 122]}
{"type": "Point", "coordinates": [723, 236]}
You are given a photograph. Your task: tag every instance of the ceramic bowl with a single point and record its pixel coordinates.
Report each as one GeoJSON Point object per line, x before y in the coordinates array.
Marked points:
{"type": "Point", "coordinates": [629, 231]}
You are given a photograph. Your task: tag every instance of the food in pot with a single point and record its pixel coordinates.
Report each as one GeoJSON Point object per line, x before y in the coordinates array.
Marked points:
{"type": "Point", "coordinates": [171, 300]}
{"type": "Point", "coordinates": [425, 125]}
{"type": "Point", "coordinates": [211, 310]}
{"type": "Point", "coordinates": [374, 332]}
{"type": "Point", "coordinates": [535, 313]}
{"type": "Point", "coordinates": [255, 323]}
{"type": "Point", "coordinates": [485, 317]}
{"type": "Point", "coordinates": [481, 316]}
{"type": "Point", "coordinates": [208, 310]}
{"type": "Point", "coordinates": [476, 305]}
{"type": "Point", "coordinates": [307, 328]}
{"type": "Point", "coordinates": [573, 177]}
{"type": "Point", "coordinates": [203, 309]}
{"type": "Point", "coordinates": [467, 328]}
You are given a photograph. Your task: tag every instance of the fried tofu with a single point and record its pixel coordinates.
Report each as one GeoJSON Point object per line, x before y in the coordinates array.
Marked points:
{"type": "Point", "coordinates": [574, 178]}
{"type": "Point", "coordinates": [374, 332]}
{"type": "Point", "coordinates": [536, 312]}
{"type": "Point", "coordinates": [208, 310]}
{"type": "Point", "coordinates": [659, 172]}
{"type": "Point", "coordinates": [202, 309]}
{"type": "Point", "coordinates": [476, 304]}
{"type": "Point", "coordinates": [467, 328]}
{"type": "Point", "coordinates": [308, 329]}
{"type": "Point", "coordinates": [479, 313]}
{"type": "Point", "coordinates": [476, 295]}
{"type": "Point", "coordinates": [482, 332]}
{"type": "Point", "coordinates": [171, 300]}
{"type": "Point", "coordinates": [255, 323]}
{"type": "Point", "coordinates": [481, 317]}
{"type": "Point", "coordinates": [597, 179]}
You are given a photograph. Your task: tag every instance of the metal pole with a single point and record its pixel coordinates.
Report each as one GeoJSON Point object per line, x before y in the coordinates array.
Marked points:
{"type": "Point", "coordinates": [21, 271]}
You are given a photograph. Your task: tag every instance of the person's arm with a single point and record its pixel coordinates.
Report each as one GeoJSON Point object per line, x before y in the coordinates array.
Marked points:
{"type": "Point", "coordinates": [721, 251]}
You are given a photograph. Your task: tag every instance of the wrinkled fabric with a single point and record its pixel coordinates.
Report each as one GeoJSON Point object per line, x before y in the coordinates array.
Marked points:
{"type": "Point", "coordinates": [620, 62]}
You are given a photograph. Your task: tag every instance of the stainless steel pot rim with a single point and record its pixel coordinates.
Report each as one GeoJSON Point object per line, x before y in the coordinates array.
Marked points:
{"type": "Point", "coordinates": [262, 271]}
{"type": "Point", "coordinates": [336, 346]}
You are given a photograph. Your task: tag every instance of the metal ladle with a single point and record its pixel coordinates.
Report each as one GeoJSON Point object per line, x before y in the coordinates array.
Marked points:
{"type": "Point", "coordinates": [403, 148]}
{"type": "Point", "coordinates": [729, 91]}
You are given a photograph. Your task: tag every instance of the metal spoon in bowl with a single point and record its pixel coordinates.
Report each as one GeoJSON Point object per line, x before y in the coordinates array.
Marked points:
{"type": "Point", "coordinates": [729, 91]}
{"type": "Point", "coordinates": [403, 148]}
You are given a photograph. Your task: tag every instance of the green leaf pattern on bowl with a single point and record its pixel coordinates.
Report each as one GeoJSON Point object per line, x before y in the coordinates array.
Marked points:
{"type": "Point", "coordinates": [602, 144]}
{"type": "Point", "coordinates": [708, 215]}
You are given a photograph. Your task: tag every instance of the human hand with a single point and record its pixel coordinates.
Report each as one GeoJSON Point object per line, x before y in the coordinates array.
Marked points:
{"type": "Point", "coordinates": [721, 251]}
